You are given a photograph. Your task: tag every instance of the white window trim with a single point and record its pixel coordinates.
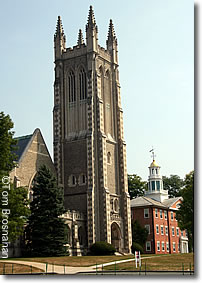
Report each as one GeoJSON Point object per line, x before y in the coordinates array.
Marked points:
{"type": "Point", "coordinates": [163, 246]}
{"type": "Point", "coordinates": [157, 226]}
{"type": "Point", "coordinates": [147, 226]}
{"type": "Point", "coordinates": [167, 246]}
{"type": "Point", "coordinates": [148, 248]}
{"type": "Point", "coordinates": [158, 246]}
{"type": "Point", "coordinates": [146, 209]}
{"type": "Point", "coordinates": [177, 231]}
{"type": "Point", "coordinates": [165, 214]}
{"type": "Point", "coordinates": [174, 245]}
{"type": "Point", "coordinates": [161, 230]}
{"type": "Point", "coordinates": [172, 216]}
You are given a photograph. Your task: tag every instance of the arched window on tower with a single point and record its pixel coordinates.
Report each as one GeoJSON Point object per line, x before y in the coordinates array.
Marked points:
{"type": "Point", "coordinates": [71, 87]}
{"type": "Point", "coordinates": [109, 158]}
{"type": "Point", "coordinates": [82, 85]}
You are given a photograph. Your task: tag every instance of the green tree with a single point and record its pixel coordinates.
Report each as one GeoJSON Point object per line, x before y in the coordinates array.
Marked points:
{"type": "Point", "coordinates": [185, 214]}
{"type": "Point", "coordinates": [139, 234]}
{"type": "Point", "coordinates": [16, 207]}
{"type": "Point", "coordinates": [13, 201]}
{"type": "Point", "coordinates": [136, 186]}
{"type": "Point", "coordinates": [173, 184]}
{"type": "Point", "coordinates": [46, 229]}
{"type": "Point", "coordinates": [7, 143]}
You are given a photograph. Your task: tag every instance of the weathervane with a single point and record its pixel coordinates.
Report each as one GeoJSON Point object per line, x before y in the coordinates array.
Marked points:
{"type": "Point", "coordinates": [153, 155]}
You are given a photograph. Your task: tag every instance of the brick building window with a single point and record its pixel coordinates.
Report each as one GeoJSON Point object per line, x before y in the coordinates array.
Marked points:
{"type": "Point", "coordinates": [148, 246]}
{"type": "Point", "coordinates": [157, 229]}
{"type": "Point", "coordinates": [163, 246]}
{"type": "Point", "coordinates": [148, 228]}
{"type": "Point", "coordinates": [173, 231]}
{"type": "Point", "coordinates": [166, 230]}
{"type": "Point", "coordinates": [165, 214]}
{"type": "Point", "coordinates": [177, 231]}
{"type": "Point", "coordinates": [167, 246]}
{"type": "Point", "coordinates": [158, 246]}
{"type": "Point", "coordinates": [174, 249]}
{"type": "Point", "coordinates": [161, 214]}
{"type": "Point", "coordinates": [156, 212]}
{"type": "Point", "coordinates": [161, 229]}
{"type": "Point", "coordinates": [171, 215]}
{"type": "Point", "coordinates": [146, 213]}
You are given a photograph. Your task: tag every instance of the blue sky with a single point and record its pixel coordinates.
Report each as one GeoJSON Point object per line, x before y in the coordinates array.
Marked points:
{"type": "Point", "coordinates": [156, 58]}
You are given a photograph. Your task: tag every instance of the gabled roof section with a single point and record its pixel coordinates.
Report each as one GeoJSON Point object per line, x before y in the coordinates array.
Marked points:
{"type": "Point", "coordinates": [22, 143]}
{"type": "Point", "coordinates": [171, 201]}
{"type": "Point", "coordinates": [145, 201]}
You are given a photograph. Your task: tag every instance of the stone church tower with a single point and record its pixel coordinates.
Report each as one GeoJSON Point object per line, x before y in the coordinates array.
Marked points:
{"type": "Point", "coordinates": [89, 147]}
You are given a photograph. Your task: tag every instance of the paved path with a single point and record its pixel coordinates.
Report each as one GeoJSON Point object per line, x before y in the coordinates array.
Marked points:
{"type": "Point", "coordinates": [61, 269]}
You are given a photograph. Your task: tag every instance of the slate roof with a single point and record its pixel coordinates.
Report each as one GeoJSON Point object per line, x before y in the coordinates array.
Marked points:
{"type": "Point", "coordinates": [169, 202]}
{"type": "Point", "coordinates": [145, 201]}
{"type": "Point", "coordinates": [22, 143]}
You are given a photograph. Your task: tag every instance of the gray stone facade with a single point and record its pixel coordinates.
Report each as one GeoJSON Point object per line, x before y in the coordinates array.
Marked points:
{"type": "Point", "coordinates": [89, 146]}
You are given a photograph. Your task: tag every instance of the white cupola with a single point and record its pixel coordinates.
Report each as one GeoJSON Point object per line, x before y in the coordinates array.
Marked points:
{"type": "Point", "coordinates": [155, 183]}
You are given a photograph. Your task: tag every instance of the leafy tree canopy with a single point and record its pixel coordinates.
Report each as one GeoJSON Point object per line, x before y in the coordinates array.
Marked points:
{"type": "Point", "coordinates": [7, 143]}
{"type": "Point", "coordinates": [185, 214]}
{"type": "Point", "coordinates": [136, 186]}
{"type": "Point", "coordinates": [173, 184]}
{"type": "Point", "coordinates": [139, 233]}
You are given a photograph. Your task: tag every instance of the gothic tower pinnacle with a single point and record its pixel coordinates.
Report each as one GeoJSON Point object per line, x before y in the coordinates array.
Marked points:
{"type": "Point", "coordinates": [91, 32]}
{"type": "Point", "coordinates": [112, 42]}
{"type": "Point", "coordinates": [80, 40]}
{"type": "Point", "coordinates": [59, 39]}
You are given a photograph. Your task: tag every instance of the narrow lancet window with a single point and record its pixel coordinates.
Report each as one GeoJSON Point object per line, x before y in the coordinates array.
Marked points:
{"type": "Point", "coordinates": [71, 87]}
{"type": "Point", "coordinates": [82, 85]}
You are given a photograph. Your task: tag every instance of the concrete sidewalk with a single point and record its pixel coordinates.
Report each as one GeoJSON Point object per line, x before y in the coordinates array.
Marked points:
{"type": "Point", "coordinates": [61, 269]}
{"type": "Point", "coordinates": [52, 268]}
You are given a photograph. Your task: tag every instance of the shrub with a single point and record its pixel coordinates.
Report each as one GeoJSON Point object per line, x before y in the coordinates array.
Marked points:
{"type": "Point", "coordinates": [137, 247]}
{"type": "Point", "coordinates": [102, 248]}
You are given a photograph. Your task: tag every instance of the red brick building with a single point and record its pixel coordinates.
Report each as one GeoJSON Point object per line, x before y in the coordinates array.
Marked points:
{"type": "Point", "coordinates": [156, 212]}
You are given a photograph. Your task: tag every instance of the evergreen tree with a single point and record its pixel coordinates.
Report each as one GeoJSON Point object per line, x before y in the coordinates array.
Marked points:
{"type": "Point", "coordinates": [46, 229]}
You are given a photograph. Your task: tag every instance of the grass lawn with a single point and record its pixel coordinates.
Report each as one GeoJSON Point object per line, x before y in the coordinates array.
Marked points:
{"type": "Point", "coordinates": [75, 260]}
{"type": "Point", "coordinates": [159, 262]}
{"type": "Point", "coordinates": [9, 268]}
